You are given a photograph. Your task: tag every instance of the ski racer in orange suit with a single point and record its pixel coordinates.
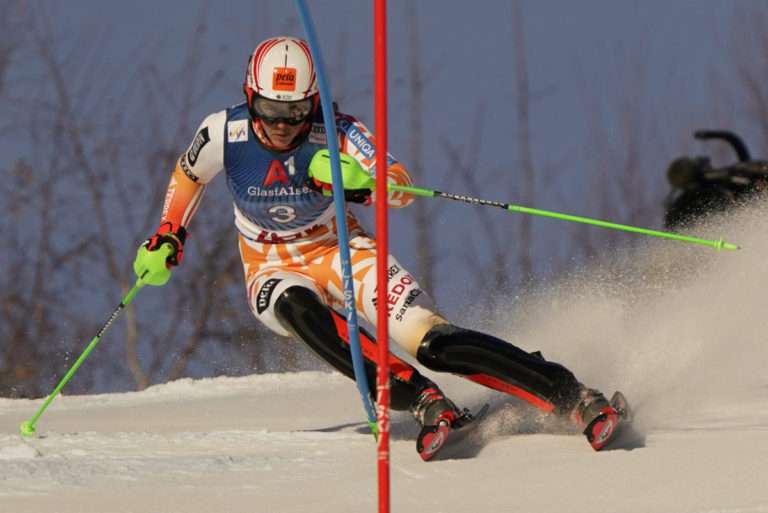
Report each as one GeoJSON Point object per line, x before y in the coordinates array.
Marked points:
{"type": "Point", "coordinates": [290, 252]}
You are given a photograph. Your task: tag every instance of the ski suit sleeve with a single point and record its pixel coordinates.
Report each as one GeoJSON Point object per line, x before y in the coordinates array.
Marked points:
{"type": "Point", "coordinates": [203, 159]}
{"type": "Point", "coordinates": [356, 140]}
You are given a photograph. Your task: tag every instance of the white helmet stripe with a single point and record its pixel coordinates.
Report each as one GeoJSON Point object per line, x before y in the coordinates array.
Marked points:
{"type": "Point", "coordinates": [313, 79]}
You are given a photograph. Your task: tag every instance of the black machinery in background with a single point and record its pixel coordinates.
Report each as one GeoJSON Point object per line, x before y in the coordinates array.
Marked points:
{"type": "Point", "coordinates": [699, 189]}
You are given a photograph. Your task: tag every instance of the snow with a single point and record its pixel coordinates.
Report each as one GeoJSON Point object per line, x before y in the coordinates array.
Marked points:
{"type": "Point", "coordinates": [296, 443]}
{"type": "Point", "coordinates": [690, 358]}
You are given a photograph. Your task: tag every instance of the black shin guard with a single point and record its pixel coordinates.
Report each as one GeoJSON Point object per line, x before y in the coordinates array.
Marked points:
{"type": "Point", "coordinates": [500, 365]}
{"type": "Point", "coordinates": [302, 313]}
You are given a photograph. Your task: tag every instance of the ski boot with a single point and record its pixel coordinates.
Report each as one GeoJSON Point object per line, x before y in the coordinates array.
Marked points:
{"type": "Point", "coordinates": [437, 415]}
{"type": "Point", "coordinates": [599, 418]}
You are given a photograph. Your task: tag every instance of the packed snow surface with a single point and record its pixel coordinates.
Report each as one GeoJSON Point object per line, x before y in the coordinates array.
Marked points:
{"type": "Point", "coordinates": [682, 331]}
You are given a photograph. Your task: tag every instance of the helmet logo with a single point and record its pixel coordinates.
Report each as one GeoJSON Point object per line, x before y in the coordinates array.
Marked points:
{"type": "Point", "coordinates": [284, 79]}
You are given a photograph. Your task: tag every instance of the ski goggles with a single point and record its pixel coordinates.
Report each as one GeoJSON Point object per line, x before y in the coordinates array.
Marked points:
{"type": "Point", "coordinates": [290, 113]}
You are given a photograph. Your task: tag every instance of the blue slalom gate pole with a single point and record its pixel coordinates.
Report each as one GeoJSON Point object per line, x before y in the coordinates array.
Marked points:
{"type": "Point", "coordinates": [329, 119]}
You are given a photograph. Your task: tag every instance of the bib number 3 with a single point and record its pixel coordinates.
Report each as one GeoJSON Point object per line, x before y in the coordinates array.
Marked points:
{"type": "Point", "coordinates": [282, 213]}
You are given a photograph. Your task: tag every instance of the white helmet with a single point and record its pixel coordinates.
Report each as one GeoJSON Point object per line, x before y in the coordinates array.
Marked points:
{"type": "Point", "coordinates": [281, 68]}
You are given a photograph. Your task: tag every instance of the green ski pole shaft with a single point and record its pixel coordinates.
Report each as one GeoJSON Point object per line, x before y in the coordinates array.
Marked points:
{"type": "Point", "coordinates": [419, 191]}
{"type": "Point", "coordinates": [28, 427]}
{"type": "Point", "coordinates": [155, 273]}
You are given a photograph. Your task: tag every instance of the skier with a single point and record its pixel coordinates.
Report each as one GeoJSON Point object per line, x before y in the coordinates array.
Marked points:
{"type": "Point", "coordinates": [290, 253]}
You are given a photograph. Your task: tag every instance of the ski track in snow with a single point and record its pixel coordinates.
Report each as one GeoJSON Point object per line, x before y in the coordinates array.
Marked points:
{"type": "Point", "coordinates": [681, 330]}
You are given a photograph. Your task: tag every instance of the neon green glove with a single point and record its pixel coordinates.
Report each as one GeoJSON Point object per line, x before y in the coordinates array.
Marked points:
{"type": "Point", "coordinates": [358, 184]}
{"type": "Point", "coordinates": [151, 267]}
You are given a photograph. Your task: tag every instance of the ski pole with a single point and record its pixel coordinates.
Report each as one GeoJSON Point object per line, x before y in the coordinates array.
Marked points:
{"type": "Point", "coordinates": [419, 191]}
{"type": "Point", "coordinates": [155, 274]}
{"type": "Point", "coordinates": [358, 364]}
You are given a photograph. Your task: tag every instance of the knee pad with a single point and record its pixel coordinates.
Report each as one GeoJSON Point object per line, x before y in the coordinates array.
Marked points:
{"type": "Point", "coordinates": [448, 348]}
{"type": "Point", "coordinates": [302, 313]}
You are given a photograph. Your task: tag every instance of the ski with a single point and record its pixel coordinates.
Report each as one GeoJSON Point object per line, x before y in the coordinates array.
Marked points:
{"type": "Point", "coordinates": [432, 439]}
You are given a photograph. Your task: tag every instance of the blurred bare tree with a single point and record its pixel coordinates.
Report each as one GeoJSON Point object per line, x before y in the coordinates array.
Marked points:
{"type": "Point", "coordinates": [624, 181]}
{"type": "Point", "coordinates": [422, 211]}
{"type": "Point", "coordinates": [93, 158]}
{"type": "Point", "coordinates": [10, 38]}
{"type": "Point", "coordinates": [491, 260]}
{"type": "Point", "coordinates": [488, 258]}
{"type": "Point", "coordinates": [24, 257]}
{"type": "Point", "coordinates": [99, 153]}
{"type": "Point", "coordinates": [748, 46]}
{"type": "Point", "coordinates": [527, 173]}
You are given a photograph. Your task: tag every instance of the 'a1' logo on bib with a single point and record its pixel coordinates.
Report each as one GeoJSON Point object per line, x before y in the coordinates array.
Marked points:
{"type": "Point", "coordinates": [275, 173]}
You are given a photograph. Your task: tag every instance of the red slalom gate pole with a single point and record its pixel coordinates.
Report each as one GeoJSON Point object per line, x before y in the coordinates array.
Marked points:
{"type": "Point", "coordinates": [382, 243]}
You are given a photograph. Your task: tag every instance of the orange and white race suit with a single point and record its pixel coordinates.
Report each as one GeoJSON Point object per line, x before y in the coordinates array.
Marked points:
{"type": "Point", "coordinates": [287, 231]}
